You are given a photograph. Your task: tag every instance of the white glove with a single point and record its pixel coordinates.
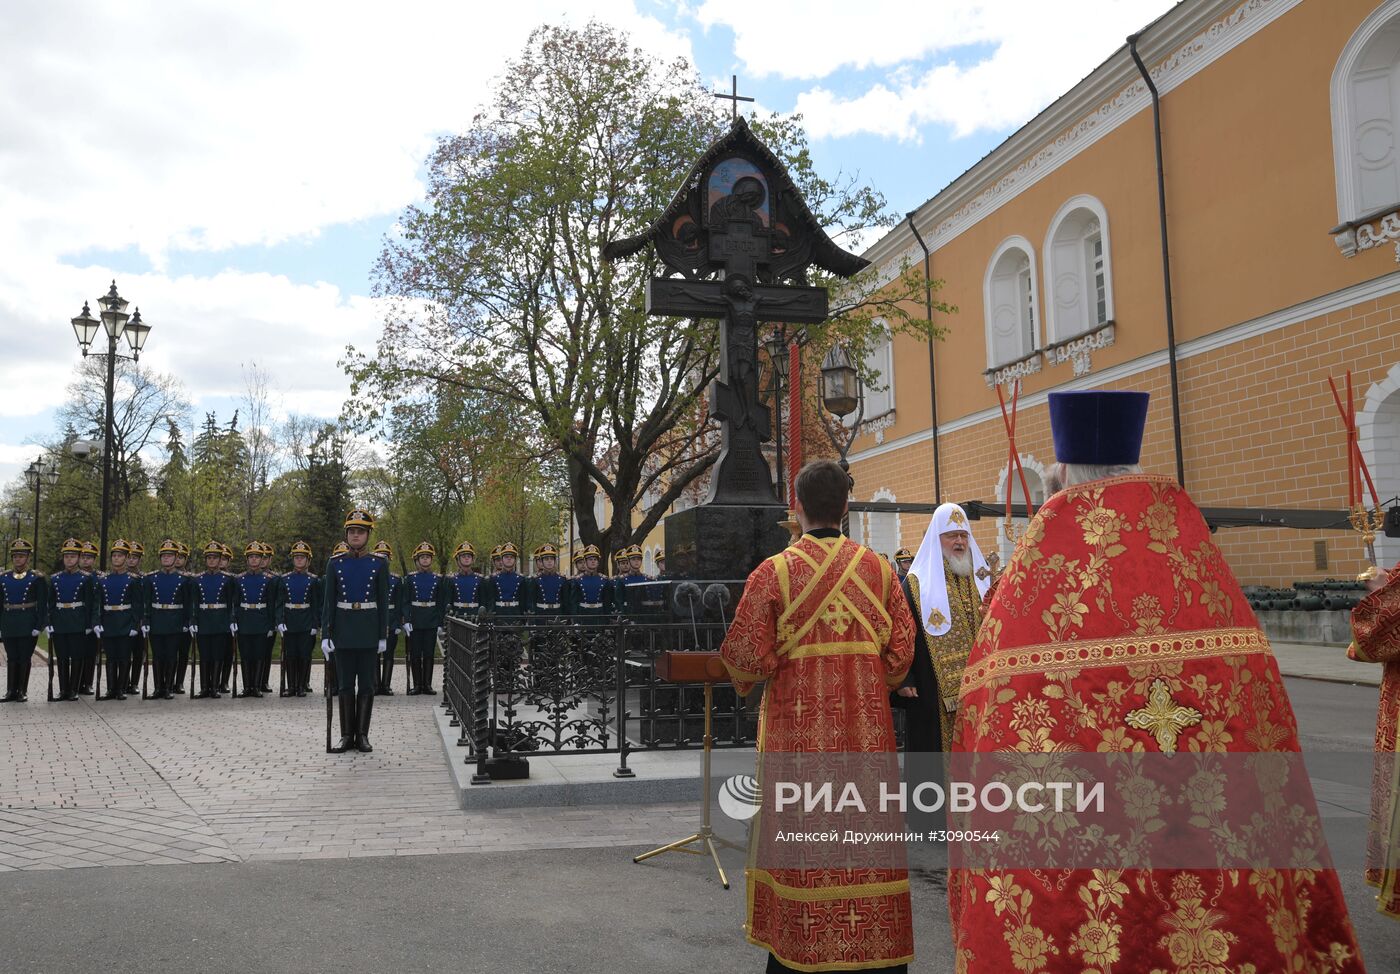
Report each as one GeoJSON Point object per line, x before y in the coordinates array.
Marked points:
{"type": "Point", "coordinates": [98, 630]}
{"type": "Point", "coordinates": [132, 633]}
{"type": "Point", "coordinates": [36, 632]}
{"type": "Point", "coordinates": [145, 631]}
{"type": "Point", "coordinates": [281, 627]}
{"type": "Point", "coordinates": [87, 632]}
{"type": "Point", "coordinates": [383, 645]}
{"type": "Point", "coordinates": [315, 633]}
{"type": "Point", "coordinates": [269, 634]}
{"type": "Point", "coordinates": [47, 629]}
{"type": "Point", "coordinates": [233, 627]}
{"type": "Point", "coordinates": [327, 646]}
{"type": "Point", "coordinates": [408, 628]}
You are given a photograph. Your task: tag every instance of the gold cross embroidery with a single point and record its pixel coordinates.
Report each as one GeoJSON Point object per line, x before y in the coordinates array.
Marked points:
{"type": "Point", "coordinates": [956, 516]}
{"type": "Point", "coordinates": [852, 918]}
{"type": "Point", "coordinates": [807, 921]}
{"type": "Point", "coordinates": [838, 617]}
{"type": "Point", "coordinates": [1163, 717]}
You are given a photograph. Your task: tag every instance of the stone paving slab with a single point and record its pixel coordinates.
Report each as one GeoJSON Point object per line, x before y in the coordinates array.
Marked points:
{"type": "Point", "coordinates": [158, 782]}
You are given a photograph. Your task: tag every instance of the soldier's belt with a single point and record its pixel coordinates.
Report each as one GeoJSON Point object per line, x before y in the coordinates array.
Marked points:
{"type": "Point", "coordinates": [590, 605]}
{"type": "Point", "coordinates": [163, 605]}
{"type": "Point", "coordinates": [68, 605]}
{"type": "Point", "coordinates": [466, 605]}
{"type": "Point", "coordinates": [546, 605]}
{"type": "Point", "coordinates": [297, 605]}
{"type": "Point", "coordinates": [357, 605]}
{"type": "Point", "coordinates": [116, 608]}
{"type": "Point", "coordinates": [508, 605]}
{"type": "Point", "coordinates": [213, 605]}
{"type": "Point", "coordinates": [18, 606]}
{"type": "Point", "coordinates": [423, 605]}
{"type": "Point", "coordinates": [252, 605]}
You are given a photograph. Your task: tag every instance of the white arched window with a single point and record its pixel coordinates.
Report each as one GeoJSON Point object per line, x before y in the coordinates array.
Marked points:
{"type": "Point", "coordinates": [879, 395]}
{"type": "Point", "coordinates": [1366, 116]}
{"type": "Point", "coordinates": [1009, 481]}
{"type": "Point", "coordinates": [1011, 299]}
{"type": "Point", "coordinates": [877, 530]}
{"type": "Point", "coordinates": [1078, 272]}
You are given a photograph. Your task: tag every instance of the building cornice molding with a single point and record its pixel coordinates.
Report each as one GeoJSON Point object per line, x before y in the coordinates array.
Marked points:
{"type": "Point", "coordinates": [1378, 287]}
{"type": "Point", "coordinates": [1181, 44]}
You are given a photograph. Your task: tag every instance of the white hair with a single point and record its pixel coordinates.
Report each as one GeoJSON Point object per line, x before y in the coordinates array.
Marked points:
{"type": "Point", "coordinates": [1062, 475]}
{"type": "Point", "coordinates": [959, 564]}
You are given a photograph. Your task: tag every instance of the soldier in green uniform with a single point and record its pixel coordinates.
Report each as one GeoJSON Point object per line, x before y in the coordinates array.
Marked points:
{"type": "Point", "coordinates": [385, 685]}
{"type": "Point", "coordinates": [212, 620]}
{"type": "Point", "coordinates": [122, 608]}
{"type": "Point", "coordinates": [355, 627]}
{"type": "Point", "coordinates": [426, 595]}
{"type": "Point", "coordinates": [87, 563]}
{"type": "Point", "coordinates": [138, 644]}
{"type": "Point", "coordinates": [184, 639]}
{"type": "Point", "coordinates": [71, 613]}
{"type": "Point", "coordinates": [169, 613]}
{"type": "Point", "coordinates": [24, 611]}
{"type": "Point", "coordinates": [255, 617]}
{"type": "Point", "coordinates": [299, 619]}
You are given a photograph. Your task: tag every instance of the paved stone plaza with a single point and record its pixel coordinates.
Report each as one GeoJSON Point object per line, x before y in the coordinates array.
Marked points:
{"type": "Point", "coordinates": [197, 781]}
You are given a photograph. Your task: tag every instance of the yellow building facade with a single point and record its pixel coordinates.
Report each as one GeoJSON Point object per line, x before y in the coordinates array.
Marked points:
{"type": "Point", "coordinates": [1280, 126]}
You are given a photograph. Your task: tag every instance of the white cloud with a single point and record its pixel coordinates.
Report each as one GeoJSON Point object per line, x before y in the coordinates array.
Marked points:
{"type": "Point", "coordinates": [206, 125]}
{"type": "Point", "coordinates": [1039, 50]}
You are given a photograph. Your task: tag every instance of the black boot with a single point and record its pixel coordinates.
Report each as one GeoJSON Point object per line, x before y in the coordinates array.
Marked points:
{"type": "Point", "coordinates": [116, 680]}
{"type": "Point", "coordinates": [364, 711]}
{"type": "Point", "coordinates": [346, 705]}
{"type": "Point", "coordinates": [427, 685]}
{"type": "Point", "coordinates": [9, 696]}
{"type": "Point", "coordinates": [169, 670]}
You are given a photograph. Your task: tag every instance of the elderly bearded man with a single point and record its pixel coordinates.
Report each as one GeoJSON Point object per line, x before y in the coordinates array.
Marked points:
{"type": "Point", "coordinates": [1118, 627]}
{"type": "Point", "coordinates": [945, 587]}
{"type": "Point", "coordinates": [825, 625]}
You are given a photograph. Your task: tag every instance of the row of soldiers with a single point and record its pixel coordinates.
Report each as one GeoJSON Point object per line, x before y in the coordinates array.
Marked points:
{"type": "Point", "coordinates": [129, 614]}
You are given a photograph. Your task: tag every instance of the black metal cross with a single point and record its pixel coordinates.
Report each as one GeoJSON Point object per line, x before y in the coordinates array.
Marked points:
{"type": "Point", "coordinates": [733, 96]}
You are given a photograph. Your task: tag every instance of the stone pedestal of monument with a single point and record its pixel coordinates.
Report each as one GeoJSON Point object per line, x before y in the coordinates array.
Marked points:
{"type": "Point", "coordinates": [723, 541]}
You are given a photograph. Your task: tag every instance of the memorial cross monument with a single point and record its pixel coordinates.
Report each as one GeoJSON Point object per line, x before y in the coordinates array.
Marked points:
{"type": "Point", "coordinates": [736, 242]}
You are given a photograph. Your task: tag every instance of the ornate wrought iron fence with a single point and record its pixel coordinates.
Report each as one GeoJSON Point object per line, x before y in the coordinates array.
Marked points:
{"type": "Point", "coordinates": [579, 685]}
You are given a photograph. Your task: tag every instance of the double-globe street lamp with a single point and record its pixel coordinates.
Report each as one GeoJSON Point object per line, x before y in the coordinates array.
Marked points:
{"type": "Point", "coordinates": [39, 475]}
{"type": "Point", "coordinates": [116, 322]}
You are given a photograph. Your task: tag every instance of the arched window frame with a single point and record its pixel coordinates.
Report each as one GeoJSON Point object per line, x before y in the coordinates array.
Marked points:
{"type": "Point", "coordinates": [1058, 330]}
{"type": "Point", "coordinates": [1349, 206]}
{"type": "Point", "coordinates": [1033, 307]}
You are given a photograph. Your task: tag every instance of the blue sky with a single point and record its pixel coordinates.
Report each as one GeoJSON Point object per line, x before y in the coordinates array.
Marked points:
{"type": "Point", "coordinates": [236, 165]}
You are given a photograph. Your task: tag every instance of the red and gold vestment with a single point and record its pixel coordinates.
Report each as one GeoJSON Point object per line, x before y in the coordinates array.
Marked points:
{"type": "Point", "coordinates": [1375, 627]}
{"type": "Point", "coordinates": [825, 623]}
{"type": "Point", "coordinates": [1118, 627]}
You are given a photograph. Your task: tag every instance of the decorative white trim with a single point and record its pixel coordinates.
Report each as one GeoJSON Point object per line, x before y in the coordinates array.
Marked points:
{"type": "Point", "coordinates": [1077, 350]}
{"type": "Point", "coordinates": [1342, 122]}
{"type": "Point", "coordinates": [1029, 365]}
{"type": "Point", "coordinates": [1381, 458]}
{"type": "Point", "coordinates": [877, 426]}
{"type": "Point", "coordinates": [1014, 242]}
{"type": "Point", "coordinates": [1283, 318]}
{"type": "Point", "coordinates": [1073, 204]}
{"type": "Point", "coordinates": [1374, 234]}
{"type": "Point", "coordinates": [1112, 95]}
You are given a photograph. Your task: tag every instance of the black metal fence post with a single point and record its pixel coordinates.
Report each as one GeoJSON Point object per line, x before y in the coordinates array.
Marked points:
{"type": "Point", "coordinates": [620, 652]}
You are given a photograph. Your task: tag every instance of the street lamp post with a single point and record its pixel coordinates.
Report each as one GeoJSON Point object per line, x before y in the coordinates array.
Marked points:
{"type": "Point", "coordinates": [116, 322]}
{"type": "Point", "coordinates": [842, 394]}
{"type": "Point", "coordinates": [39, 475]}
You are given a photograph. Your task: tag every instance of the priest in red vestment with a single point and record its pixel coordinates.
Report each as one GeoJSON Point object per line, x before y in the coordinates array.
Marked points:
{"type": "Point", "coordinates": [1118, 627]}
{"type": "Point", "coordinates": [1375, 628]}
{"type": "Point", "coordinates": [825, 626]}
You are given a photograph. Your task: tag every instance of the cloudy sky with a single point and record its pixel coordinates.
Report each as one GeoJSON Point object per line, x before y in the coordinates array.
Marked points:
{"type": "Point", "coordinates": [234, 164]}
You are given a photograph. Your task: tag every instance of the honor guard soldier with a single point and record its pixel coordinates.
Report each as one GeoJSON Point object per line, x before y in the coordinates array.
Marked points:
{"type": "Point", "coordinates": [226, 668]}
{"type": "Point", "coordinates": [592, 594]}
{"type": "Point", "coordinates": [24, 612]}
{"type": "Point", "coordinates": [255, 618]}
{"type": "Point", "coordinates": [298, 619]}
{"type": "Point", "coordinates": [268, 553]}
{"type": "Point", "coordinates": [548, 591]}
{"type": "Point", "coordinates": [633, 593]}
{"type": "Point", "coordinates": [71, 614]}
{"type": "Point", "coordinates": [122, 613]}
{"type": "Point", "coordinates": [355, 627]}
{"type": "Point", "coordinates": [576, 565]}
{"type": "Point", "coordinates": [169, 613]}
{"type": "Point", "coordinates": [495, 560]}
{"type": "Point", "coordinates": [903, 558]}
{"type": "Point", "coordinates": [465, 582]}
{"type": "Point", "coordinates": [214, 594]}
{"type": "Point", "coordinates": [503, 593]}
{"type": "Point", "coordinates": [138, 645]}
{"type": "Point", "coordinates": [87, 563]}
{"type": "Point", "coordinates": [332, 684]}
{"type": "Point", "coordinates": [425, 598]}
{"type": "Point", "coordinates": [184, 638]}
{"type": "Point", "coordinates": [386, 659]}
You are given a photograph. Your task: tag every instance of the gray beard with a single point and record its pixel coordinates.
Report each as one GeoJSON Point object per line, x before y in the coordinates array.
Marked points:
{"type": "Point", "coordinates": [959, 564]}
